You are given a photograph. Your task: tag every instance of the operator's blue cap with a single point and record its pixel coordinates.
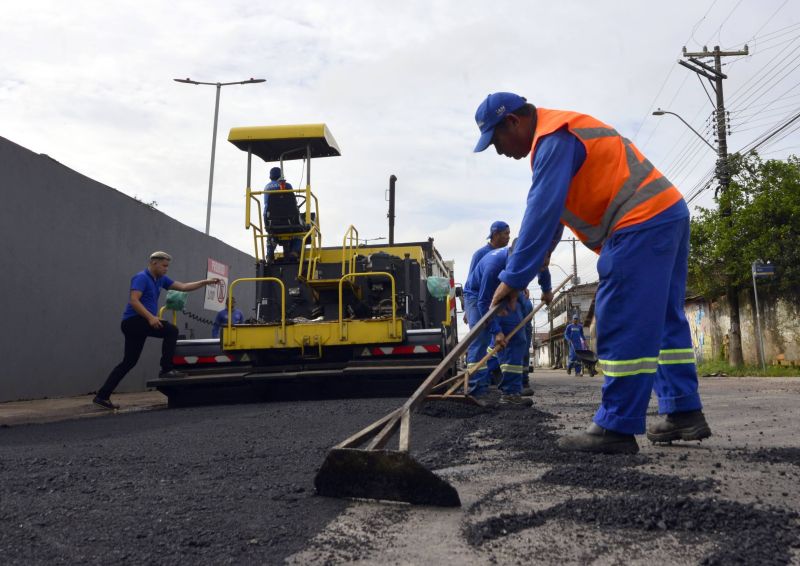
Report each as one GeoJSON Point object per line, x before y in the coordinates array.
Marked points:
{"type": "Point", "coordinates": [492, 111]}
{"type": "Point", "coordinates": [497, 226]}
{"type": "Point", "coordinates": [574, 317]}
{"type": "Point", "coordinates": [274, 173]}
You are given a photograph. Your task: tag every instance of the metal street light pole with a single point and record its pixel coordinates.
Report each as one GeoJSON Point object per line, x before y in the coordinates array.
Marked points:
{"type": "Point", "coordinates": [214, 135]}
{"type": "Point", "coordinates": [661, 112]}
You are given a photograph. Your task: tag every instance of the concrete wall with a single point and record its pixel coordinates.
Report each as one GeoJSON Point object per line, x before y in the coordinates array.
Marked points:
{"type": "Point", "coordinates": [780, 324]}
{"type": "Point", "coordinates": [69, 248]}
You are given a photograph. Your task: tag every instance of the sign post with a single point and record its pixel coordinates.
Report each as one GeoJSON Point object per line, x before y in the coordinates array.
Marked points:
{"type": "Point", "coordinates": [761, 270]}
{"type": "Point", "coordinates": [216, 295]}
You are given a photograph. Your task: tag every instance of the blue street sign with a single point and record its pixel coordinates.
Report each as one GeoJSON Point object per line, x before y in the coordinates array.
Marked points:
{"type": "Point", "coordinates": [763, 270]}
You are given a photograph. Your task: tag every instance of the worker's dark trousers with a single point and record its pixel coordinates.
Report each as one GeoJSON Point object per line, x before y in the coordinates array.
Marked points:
{"type": "Point", "coordinates": [136, 330]}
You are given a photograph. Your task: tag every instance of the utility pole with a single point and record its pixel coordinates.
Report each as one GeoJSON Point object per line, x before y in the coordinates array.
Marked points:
{"type": "Point", "coordinates": [575, 279]}
{"type": "Point", "coordinates": [715, 76]}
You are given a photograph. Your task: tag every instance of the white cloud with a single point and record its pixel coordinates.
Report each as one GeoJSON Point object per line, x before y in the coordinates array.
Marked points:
{"type": "Point", "coordinates": [90, 83]}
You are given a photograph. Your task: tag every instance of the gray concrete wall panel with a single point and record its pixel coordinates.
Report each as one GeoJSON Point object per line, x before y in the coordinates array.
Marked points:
{"type": "Point", "coordinates": [68, 248]}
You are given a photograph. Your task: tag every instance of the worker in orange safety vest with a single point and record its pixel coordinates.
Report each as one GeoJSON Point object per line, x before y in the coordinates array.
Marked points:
{"type": "Point", "coordinates": [589, 177]}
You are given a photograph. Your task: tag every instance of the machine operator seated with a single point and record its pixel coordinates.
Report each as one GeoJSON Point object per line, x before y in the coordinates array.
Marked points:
{"type": "Point", "coordinates": [282, 216]}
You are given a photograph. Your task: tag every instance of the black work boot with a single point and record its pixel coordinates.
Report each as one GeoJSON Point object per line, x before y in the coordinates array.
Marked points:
{"type": "Point", "coordinates": [690, 425]}
{"type": "Point", "coordinates": [105, 403]}
{"type": "Point", "coordinates": [598, 439]}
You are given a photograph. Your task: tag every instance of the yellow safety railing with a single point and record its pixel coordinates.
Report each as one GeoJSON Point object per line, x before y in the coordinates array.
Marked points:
{"type": "Point", "coordinates": [350, 238]}
{"type": "Point", "coordinates": [283, 304]}
{"type": "Point", "coordinates": [259, 232]}
{"type": "Point", "coordinates": [312, 241]}
{"type": "Point", "coordinates": [342, 332]}
{"type": "Point", "coordinates": [174, 315]}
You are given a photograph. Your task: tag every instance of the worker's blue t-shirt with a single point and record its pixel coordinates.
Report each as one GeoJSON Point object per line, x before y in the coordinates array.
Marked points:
{"type": "Point", "coordinates": [150, 288]}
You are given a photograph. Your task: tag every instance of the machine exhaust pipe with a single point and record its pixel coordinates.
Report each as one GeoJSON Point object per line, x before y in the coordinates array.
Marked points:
{"type": "Point", "coordinates": [392, 181]}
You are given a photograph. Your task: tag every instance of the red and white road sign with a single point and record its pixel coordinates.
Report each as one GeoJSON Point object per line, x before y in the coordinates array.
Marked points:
{"type": "Point", "coordinates": [216, 295]}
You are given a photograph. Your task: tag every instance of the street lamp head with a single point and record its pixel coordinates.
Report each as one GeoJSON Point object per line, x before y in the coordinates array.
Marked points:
{"type": "Point", "coordinates": [659, 112]}
{"type": "Point", "coordinates": [186, 80]}
{"type": "Point", "coordinates": [252, 80]}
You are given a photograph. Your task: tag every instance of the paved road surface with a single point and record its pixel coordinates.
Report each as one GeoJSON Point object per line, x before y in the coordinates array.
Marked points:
{"type": "Point", "coordinates": [233, 484]}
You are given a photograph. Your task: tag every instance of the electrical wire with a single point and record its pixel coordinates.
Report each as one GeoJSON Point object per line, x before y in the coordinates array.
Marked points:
{"type": "Point", "coordinates": [666, 80]}
{"type": "Point", "coordinates": [775, 13]}
{"type": "Point", "coordinates": [766, 83]}
{"type": "Point", "coordinates": [719, 29]}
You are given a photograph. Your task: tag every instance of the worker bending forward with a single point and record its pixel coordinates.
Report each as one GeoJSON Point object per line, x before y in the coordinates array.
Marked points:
{"type": "Point", "coordinates": [590, 178]}
{"type": "Point", "coordinates": [512, 350]}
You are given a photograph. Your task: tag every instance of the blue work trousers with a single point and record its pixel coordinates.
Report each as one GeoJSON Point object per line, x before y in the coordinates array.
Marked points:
{"type": "Point", "coordinates": [511, 357]}
{"type": "Point", "coordinates": [479, 381]}
{"type": "Point", "coordinates": [473, 316]}
{"type": "Point", "coordinates": [574, 362]}
{"type": "Point", "coordinates": [643, 338]}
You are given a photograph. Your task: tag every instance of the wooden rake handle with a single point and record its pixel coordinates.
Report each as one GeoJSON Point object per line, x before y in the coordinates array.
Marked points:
{"type": "Point", "coordinates": [516, 329]}
{"type": "Point", "coordinates": [384, 428]}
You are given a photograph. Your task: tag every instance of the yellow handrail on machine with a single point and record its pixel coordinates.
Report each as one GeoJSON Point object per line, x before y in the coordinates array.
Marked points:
{"type": "Point", "coordinates": [342, 332]}
{"type": "Point", "coordinates": [230, 305]}
{"type": "Point", "coordinates": [350, 236]}
{"type": "Point", "coordinates": [259, 232]}
{"type": "Point", "coordinates": [174, 315]}
{"type": "Point", "coordinates": [313, 253]}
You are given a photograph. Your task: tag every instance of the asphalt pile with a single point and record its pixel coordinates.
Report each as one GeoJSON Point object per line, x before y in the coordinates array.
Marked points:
{"type": "Point", "coordinates": [744, 534]}
{"type": "Point", "coordinates": [622, 496]}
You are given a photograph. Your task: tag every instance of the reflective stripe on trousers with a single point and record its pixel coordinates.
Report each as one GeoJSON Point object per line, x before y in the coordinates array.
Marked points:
{"type": "Point", "coordinates": [623, 368]}
{"type": "Point", "coordinates": [643, 337]}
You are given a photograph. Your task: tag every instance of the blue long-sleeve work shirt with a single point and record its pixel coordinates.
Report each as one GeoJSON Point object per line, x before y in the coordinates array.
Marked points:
{"type": "Point", "coordinates": [273, 186]}
{"type": "Point", "coordinates": [574, 333]}
{"type": "Point", "coordinates": [558, 158]}
{"type": "Point", "coordinates": [471, 287]}
{"type": "Point", "coordinates": [486, 277]}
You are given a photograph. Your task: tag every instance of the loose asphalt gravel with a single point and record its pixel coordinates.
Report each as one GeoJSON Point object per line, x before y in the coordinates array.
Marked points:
{"type": "Point", "coordinates": [234, 484]}
{"type": "Point", "coordinates": [209, 485]}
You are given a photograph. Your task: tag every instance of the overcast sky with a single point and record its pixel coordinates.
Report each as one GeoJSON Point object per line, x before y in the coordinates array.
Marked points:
{"type": "Point", "coordinates": [89, 83]}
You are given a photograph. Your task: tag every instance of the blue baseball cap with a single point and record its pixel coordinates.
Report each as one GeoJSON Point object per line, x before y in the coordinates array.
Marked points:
{"type": "Point", "coordinates": [275, 173]}
{"type": "Point", "coordinates": [497, 226]}
{"type": "Point", "coordinates": [492, 111]}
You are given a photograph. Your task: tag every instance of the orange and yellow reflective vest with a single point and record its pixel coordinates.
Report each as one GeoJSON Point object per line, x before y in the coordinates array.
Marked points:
{"type": "Point", "coordinates": [616, 186]}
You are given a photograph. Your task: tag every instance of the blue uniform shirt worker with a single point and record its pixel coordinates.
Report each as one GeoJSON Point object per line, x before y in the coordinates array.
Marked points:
{"type": "Point", "coordinates": [587, 176]}
{"type": "Point", "coordinates": [222, 318]}
{"type": "Point", "coordinates": [512, 352]}
{"type": "Point", "coordinates": [499, 236]}
{"type": "Point", "coordinates": [573, 336]}
{"type": "Point", "coordinates": [291, 246]}
{"type": "Point", "coordinates": [140, 320]}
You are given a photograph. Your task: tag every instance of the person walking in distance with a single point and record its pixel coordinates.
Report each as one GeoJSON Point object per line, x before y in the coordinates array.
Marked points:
{"type": "Point", "coordinates": [573, 336]}
{"type": "Point", "coordinates": [140, 320]}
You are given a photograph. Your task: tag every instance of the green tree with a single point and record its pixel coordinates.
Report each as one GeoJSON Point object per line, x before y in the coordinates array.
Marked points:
{"type": "Point", "coordinates": [764, 225]}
